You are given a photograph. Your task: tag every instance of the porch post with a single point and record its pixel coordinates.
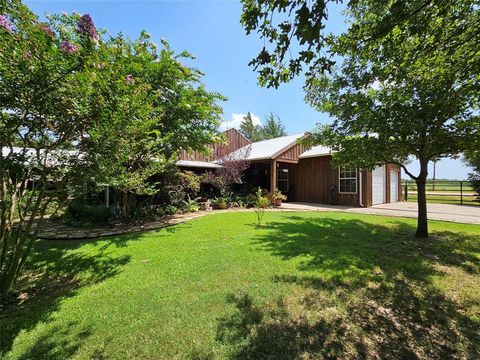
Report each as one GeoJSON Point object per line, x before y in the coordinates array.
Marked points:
{"type": "Point", "coordinates": [273, 175]}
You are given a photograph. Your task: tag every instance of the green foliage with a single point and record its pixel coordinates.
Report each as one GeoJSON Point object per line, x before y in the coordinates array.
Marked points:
{"type": "Point", "coordinates": [261, 203]}
{"type": "Point", "coordinates": [191, 205]}
{"type": "Point", "coordinates": [472, 158]}
{"type": "Point", "coordinates": [248, 129]}
{"type": "Point", "coordinates": [87, 107]}
{"type": "Point", "coordinates": [79, 212]}
{"type": "Point", "coordinates": [220, 202]}
{"type": "Point", "coordinates": [171, 210]}
{"type": "Point", "coordinates": [403, 87]}
{"type": "Point", "coordinates": [147, 210]}
{"type": "Point", "coordinates": [181, 185]}
{"type": "Point", "coordinates": [273, 127]}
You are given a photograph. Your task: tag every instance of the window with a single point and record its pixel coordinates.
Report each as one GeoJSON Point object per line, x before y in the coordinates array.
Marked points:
{"type": "Point", "coordinates": [282, 180]}
{"type": "Point", "coordinates": [348, 180]}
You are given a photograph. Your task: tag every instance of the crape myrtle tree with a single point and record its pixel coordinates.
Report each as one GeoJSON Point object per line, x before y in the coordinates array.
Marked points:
{"type": "Point", "coordinates": [78, 106]}
{"type": "Point", "coordinates": [179, 114]}
{"type": "Point", "coordinates": [233, 166]}
{"type": "Point", "coordinates": [405, 83]}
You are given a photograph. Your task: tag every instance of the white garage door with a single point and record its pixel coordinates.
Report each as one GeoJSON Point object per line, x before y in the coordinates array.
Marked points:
{"type": "Point", "coordinates": [378, 185]}
{"type": "Point", "coordinates": [393, 186]}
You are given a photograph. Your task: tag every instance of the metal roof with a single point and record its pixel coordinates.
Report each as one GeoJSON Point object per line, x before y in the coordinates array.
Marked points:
{"type": "Point", "coordinates": [198, 164]}
{"type": "Point", "coordinates": [267, 149]}
{"type": "Point", "coordinates": [316, 151]}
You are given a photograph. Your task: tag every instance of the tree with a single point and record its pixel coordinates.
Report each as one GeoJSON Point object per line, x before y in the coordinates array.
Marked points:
{"type": "Point", "coordinates": [248, 129]}
{"type": "Point", "coordinates": [403, 86]}
{"type": "Point", "coordinates": [77, 107]}
{"type": "Point", "coordinates": [472, 158]}
{"type": "Point", "coordinates": [233, 166]}
{"type": "Point", "coordinates": [180, 114]}
{"type": "Point", "coordinates": [273, 127]}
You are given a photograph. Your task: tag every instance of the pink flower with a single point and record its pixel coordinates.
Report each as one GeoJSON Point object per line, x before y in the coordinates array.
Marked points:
{"type": "Point", "coordinates": [68, 47]}
{"type": "Point", "coordinates": [4, 23]}
{"type": "Point", "coordinates": [27, 55]}
{"type": "Point", "coordinates": [85, 26]}
{"type": "Point", "coordinates": [48, 30]}
{"type": "Point", "coordinates": [129, 79]}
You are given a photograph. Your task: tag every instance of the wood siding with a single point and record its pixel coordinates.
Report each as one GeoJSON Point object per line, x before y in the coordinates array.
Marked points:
{"type": "Point", "coordinates": [291, 154]}
{"type": "Point", "coordinates": [313, 178]}
{"type": "Point", "coordinates": [235, 141]}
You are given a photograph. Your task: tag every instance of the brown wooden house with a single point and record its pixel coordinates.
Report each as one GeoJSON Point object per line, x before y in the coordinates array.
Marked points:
{"type": "Point", "coordinates": [303, 175]}
{"type": "Point", "coordinates": [308, 176]}
{"type": "Point", "coordinates": [234, 140]}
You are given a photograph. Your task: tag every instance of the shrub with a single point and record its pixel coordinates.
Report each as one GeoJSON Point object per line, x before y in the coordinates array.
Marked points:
{"type": "Point", "coordinates": [171, 209]}
{"type": "Point", "coordinates": [149, 211]}
{"type": "Point", "coordinates": [191, 205]}
{"type": "Point", "coordinates": [474, 179]}
{"type": "Point", "coordinates": [182, 186]}
{"type": "Point", "coordinates": [79, 211]}
{"type": "Point", "coordinates": [220, 202]}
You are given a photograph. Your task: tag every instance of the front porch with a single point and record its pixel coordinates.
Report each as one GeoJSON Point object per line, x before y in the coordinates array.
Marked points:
{"type": "Point", "coordinates": [265, 173]}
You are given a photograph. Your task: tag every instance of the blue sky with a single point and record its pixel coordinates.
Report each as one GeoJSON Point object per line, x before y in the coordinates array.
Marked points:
{"type": "Point", "coordinates": [211, 31]}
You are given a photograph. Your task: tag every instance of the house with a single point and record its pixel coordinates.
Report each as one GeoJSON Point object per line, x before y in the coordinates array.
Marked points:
{"type": "Point", "coordinates": [198, 161]}
{"type": "Point", "coordinates": [304, 175]}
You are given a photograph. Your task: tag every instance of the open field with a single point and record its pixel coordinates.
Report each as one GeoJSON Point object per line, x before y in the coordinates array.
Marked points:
{"type": "Point", "coordinates": [306, 285]}
{"type": "Point", "coordinates": [447, 199]}
{"type": "Point", "coordinates": [444, 192]}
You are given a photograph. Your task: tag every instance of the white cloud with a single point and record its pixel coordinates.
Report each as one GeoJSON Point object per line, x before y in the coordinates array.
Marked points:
{"type": "Point", "coordinates": [236, 120]}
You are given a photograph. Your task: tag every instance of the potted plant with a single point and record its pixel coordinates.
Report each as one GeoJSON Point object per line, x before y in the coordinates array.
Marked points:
{"type": "Point", "coordinates": [277, 197]}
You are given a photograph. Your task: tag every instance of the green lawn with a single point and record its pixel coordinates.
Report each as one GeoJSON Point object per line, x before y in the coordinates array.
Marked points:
{"type": "Point", "coordinates": [307, 285]}
{"type": "Point", "coordinates": [443, 199]}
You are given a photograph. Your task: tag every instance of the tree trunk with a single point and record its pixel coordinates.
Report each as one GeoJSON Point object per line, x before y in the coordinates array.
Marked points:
{"type": "Point", "coordinates": [422, 220]}
{"type": "Point", "coordinates": [126, 205]}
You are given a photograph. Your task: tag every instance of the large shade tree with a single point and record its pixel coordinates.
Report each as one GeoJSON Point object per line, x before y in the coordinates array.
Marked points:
{"type": "Point", "coordinates": [79, 106]}
{"type": "Point", "coordinates": [405, 84]}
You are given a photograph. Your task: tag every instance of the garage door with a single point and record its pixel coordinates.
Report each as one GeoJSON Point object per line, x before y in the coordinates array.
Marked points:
{"type": "Point", "coordinates": [393, 186]}
{"type": "Point", "coordinates": [378, 185]}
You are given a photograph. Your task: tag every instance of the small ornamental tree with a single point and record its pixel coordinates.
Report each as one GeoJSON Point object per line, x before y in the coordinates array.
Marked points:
{"type": "Point", "coordinates": [233, 165]}
{"type": "Point", "coordinates": [78, 107]}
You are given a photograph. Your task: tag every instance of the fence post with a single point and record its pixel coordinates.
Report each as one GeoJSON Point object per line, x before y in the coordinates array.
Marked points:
{"type": "Point", "coordinates": [406, 191]}
{"type": "Point", "coordinates": [461, 192]}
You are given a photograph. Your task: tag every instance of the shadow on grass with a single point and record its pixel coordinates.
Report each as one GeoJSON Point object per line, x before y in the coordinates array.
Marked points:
{"type": "Point", "coordinates": [54, 271]}
{"type": "Point", "coordinates": [56, 343]}
{"type": "Point", "coordinates": [362, 290]}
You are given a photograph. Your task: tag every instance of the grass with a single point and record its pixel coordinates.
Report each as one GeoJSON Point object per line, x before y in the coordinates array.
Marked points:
{"type": "Point", "coordinates": [447, 199]}
{"type": "Point", "coordinates": [443, 185]}
{"type": "Point", "coordinates": [306, 285]}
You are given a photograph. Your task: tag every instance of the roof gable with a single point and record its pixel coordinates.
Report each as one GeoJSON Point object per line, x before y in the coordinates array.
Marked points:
{"type": "Point", "coordinates": [267, 149]}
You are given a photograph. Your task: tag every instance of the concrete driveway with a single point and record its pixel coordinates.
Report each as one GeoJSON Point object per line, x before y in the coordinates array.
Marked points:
{"type": "Point", "coordinates": [444, 212]}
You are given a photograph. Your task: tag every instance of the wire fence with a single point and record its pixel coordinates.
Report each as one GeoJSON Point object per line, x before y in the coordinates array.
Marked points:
{"type": "Point", "coordinates": [443, 192]}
